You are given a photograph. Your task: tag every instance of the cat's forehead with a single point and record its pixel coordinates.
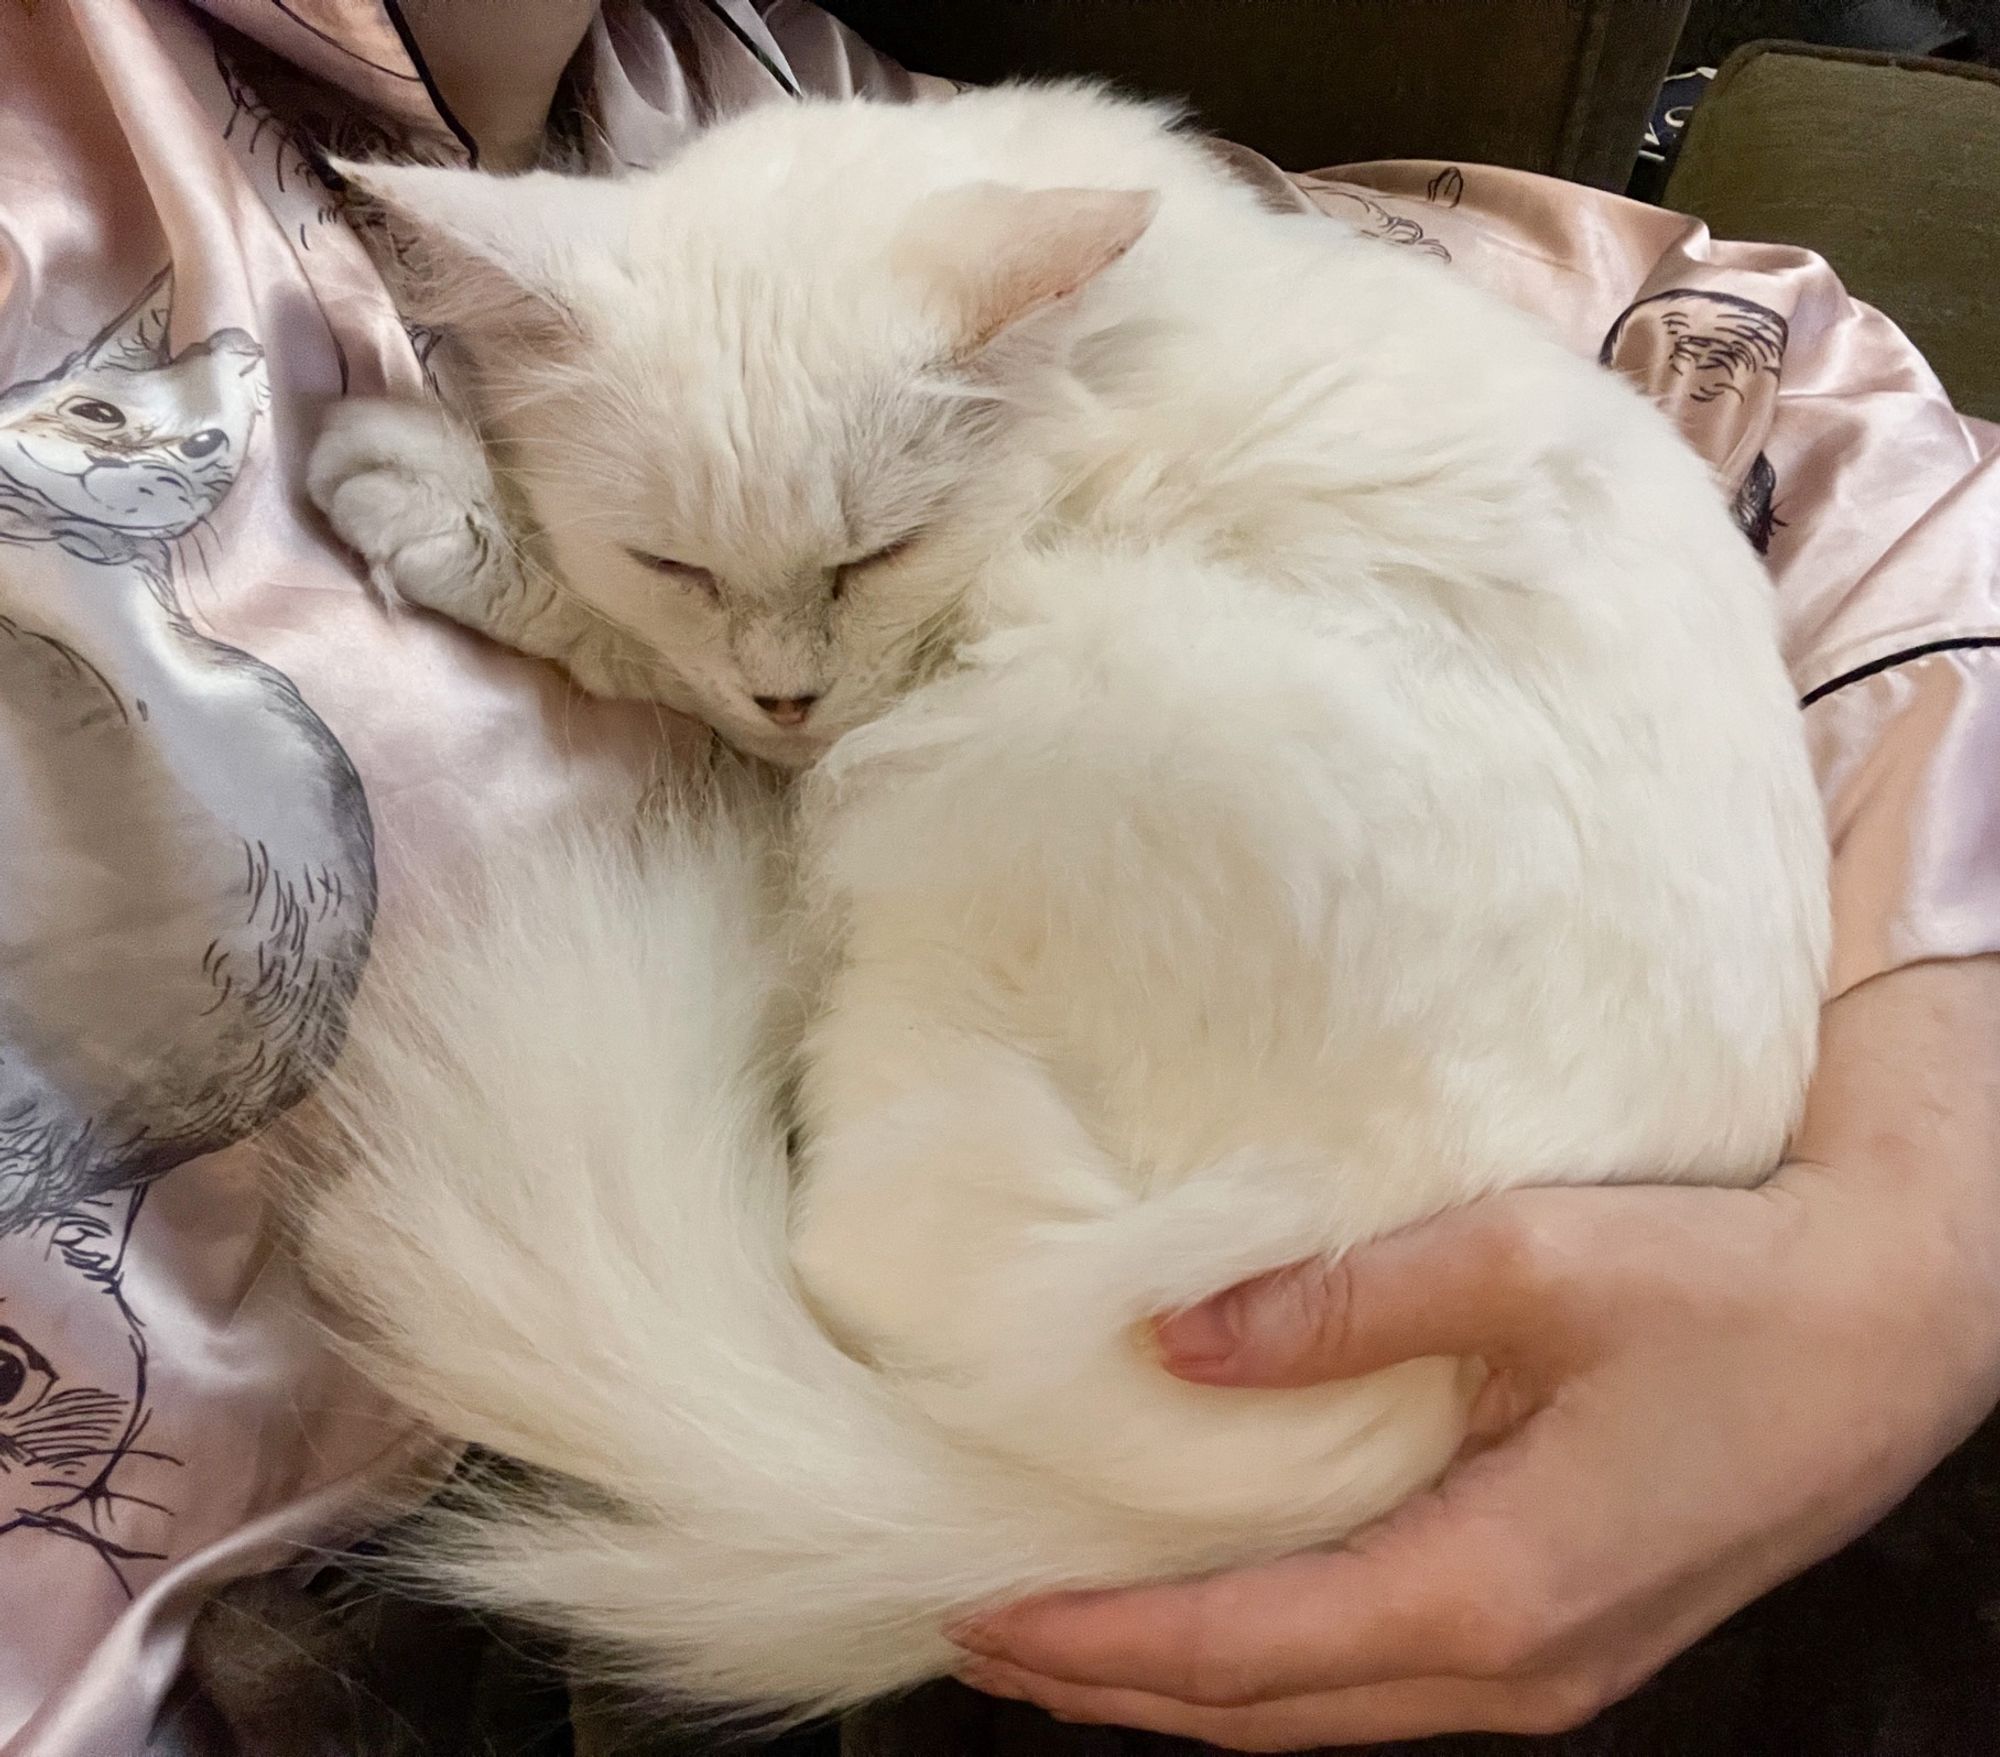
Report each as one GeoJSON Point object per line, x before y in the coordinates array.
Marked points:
{"type": "Point", "coordinates": [757, 371]}
{"type": "Point", "coordinates": [788, 450]}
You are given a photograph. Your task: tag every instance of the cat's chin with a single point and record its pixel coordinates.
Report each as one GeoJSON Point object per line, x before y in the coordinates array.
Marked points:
{"type": "Point", "coordinates": [791, 751]}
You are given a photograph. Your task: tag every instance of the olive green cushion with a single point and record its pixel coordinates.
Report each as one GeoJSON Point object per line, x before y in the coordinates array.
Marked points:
{"type": "Point", "coordinates": [1889, 168]}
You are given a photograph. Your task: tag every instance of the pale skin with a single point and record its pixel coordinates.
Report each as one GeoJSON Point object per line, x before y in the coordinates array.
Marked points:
{"type": "Point", "coordinates": [1696, 1393]}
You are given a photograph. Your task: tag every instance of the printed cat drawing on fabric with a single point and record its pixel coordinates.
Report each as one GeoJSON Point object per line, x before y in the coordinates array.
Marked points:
{"type": "Point", "coordinates": [188, 880]}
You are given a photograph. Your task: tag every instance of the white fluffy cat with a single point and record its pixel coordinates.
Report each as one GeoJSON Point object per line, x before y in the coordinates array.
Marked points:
{"type": "Point", "coordinates": [1300, 750]}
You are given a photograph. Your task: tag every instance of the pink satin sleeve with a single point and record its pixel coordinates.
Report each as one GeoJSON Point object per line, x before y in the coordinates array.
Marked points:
{"type": "Point", "coordinates": [1908, 758]}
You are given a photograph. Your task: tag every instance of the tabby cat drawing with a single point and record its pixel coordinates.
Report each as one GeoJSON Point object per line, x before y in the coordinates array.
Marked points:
{"type": "Point", "coordinates": [1282, 748]}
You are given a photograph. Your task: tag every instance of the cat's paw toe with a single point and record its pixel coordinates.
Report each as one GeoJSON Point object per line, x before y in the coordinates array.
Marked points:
{"type": "Point", "coordinates": [361, 435]}
{"type": "Point", "coordinates": [419, 548]}
{"type": "Point", "coordinates": [391, 480]}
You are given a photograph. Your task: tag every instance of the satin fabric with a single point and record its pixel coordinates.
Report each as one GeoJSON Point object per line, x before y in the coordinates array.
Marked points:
{"type": "Point", "coordinates": [220, 760]}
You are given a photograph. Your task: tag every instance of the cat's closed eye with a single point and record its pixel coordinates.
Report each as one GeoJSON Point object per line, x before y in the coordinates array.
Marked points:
{"type": "Point", "coordinates": [684, 571]}
{"type": "Point", "coordinates": [874, 558]}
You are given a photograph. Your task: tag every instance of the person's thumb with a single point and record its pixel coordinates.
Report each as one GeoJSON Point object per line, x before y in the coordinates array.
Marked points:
{"type": "Point", "coordinates": [1449, 1286]}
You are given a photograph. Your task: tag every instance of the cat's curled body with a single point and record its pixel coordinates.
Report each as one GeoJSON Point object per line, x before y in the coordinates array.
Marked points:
{"type": "Point", "coordinates": [1298, 750]}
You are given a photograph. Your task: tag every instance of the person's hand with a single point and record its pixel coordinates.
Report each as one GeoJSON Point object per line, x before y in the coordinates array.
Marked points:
{"type": "Point", "coordinates": [1695, 1393]}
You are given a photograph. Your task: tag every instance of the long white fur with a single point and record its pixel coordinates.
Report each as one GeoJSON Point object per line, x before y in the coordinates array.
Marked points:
{"type": "Point", "coordinates": [1360, 776]}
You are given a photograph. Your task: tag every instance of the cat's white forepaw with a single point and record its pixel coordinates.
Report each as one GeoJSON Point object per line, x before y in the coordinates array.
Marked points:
{"type": "Point", "coordinates": [405, 487]}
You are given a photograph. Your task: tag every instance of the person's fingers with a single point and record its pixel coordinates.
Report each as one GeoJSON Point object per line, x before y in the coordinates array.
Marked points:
{"type": "Point", "coordinates": [1449, 1583]}
{"type": "Point", "coordinates": [1410, 1708]}
{"type": "Point", "coordinates": [1462, 1284]}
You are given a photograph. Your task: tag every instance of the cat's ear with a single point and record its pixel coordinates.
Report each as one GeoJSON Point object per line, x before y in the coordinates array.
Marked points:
{"type": "Point", "coordinates": [136, 339]}
{"type": "Point", "coordinates": [992, 255]}
{"type": "Point", "coordinates": [489, 258]}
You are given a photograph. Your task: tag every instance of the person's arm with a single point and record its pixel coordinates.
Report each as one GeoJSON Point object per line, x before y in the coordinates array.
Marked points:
{"type": "Point", "coordinates": [1696, 1394]}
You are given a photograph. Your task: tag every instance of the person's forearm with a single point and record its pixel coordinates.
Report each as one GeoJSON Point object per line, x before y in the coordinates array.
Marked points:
{"type": "Point", "coordinates": [1904, 1120]}
{"type": "Point", "coordinates": [1909, 1074]}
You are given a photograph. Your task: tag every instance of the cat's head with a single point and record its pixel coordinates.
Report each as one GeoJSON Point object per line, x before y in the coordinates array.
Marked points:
{"type": "Point", "coordinates": [123, 442]}
{"type": "Point", "coordinates": [758, 399]}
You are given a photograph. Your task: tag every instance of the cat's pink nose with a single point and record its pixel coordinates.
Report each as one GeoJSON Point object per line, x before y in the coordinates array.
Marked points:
{"type": "Point", "coordinates": [786, 710]}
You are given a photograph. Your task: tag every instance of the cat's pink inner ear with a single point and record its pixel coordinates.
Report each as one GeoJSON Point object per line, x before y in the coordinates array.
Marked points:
{"type": "Point", "coordinates": [997, 255]}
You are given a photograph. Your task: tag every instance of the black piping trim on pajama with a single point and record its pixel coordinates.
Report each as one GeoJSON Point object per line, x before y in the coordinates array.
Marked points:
{"type": "Point", "coordinates": [1875, 667]}
{"type": "Point", "coordinates": [393, 11]}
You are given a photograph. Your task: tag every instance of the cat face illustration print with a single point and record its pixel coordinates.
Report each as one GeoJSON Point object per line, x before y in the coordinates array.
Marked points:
{"type": "Point", "coordinates": [1713, 361]}
{"type": "Point", "coordinates": [126, 442]}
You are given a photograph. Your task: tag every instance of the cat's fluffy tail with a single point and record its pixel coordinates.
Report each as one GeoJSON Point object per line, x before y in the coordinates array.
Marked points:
{"type": "Point", "coordinates": [555, 1225]}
